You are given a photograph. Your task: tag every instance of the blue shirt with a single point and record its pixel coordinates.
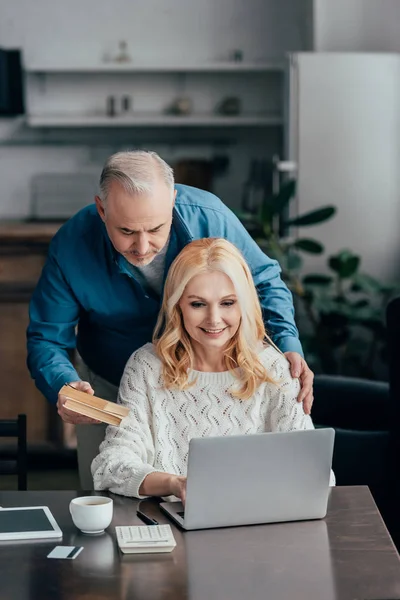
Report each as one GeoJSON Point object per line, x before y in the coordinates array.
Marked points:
{"type": "Point", "coordinates": [87, 298]}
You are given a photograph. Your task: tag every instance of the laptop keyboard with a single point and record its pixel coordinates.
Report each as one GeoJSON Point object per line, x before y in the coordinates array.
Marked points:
{"type": "Point", "coordinates": [181, 514]}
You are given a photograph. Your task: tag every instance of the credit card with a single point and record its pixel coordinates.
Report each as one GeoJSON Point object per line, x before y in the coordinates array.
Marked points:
{"type": "Point", "coordinates": [65, 552]}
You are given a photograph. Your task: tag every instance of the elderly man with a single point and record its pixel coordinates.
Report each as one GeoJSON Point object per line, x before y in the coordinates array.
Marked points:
{"type": "Point", "coordinates": [101, 287]}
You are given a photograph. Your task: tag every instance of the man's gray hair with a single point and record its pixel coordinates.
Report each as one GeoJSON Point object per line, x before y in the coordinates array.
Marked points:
{"type": "Point", "coordinates": [137, 171]}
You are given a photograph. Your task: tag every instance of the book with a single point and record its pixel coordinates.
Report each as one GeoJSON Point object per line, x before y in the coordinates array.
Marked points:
{"type": "Point", "coordinates": [93, 406]}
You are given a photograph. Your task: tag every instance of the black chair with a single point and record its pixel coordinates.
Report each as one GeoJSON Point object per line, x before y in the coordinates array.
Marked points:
{"type": "Point", "coordinates": [366, 417]}
{"type": "Point", "coordinates": [393, 345]}
{"type": "Point", "coordinates": [18, 465]}
{"type": "Point", "coordinates": [359, 411]}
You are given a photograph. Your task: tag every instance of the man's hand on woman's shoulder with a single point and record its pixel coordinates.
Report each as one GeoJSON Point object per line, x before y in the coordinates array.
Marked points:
{"type": "Point", "coordinates": [300, 369]}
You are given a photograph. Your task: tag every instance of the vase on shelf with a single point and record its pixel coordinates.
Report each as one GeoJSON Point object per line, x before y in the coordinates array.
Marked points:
{"type": "Point", "coordinates": [123, 55]}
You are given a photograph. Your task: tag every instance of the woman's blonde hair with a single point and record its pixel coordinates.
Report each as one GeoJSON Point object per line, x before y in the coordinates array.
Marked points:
{"type": "Point", "coordinates": [173, 343]}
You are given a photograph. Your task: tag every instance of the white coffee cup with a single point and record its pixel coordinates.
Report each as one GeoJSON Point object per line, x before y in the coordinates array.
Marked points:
{"type": "Point", "coordinates": [91, 514]}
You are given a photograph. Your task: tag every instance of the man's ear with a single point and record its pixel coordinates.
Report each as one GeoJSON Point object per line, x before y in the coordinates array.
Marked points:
{"type": "Point", "coordinates": [175, 193]}
{"type": "Point", "coordinates": [100, 208]}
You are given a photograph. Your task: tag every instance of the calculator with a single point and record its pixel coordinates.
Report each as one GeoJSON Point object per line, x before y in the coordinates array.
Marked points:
{"type": "Point", "coordinates": [134, 539]}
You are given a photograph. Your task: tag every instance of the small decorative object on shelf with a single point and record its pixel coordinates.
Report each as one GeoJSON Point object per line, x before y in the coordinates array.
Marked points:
{"type": "Point", "coordinates": [181, 106]}
{"type": "Point", "coordinates": [229, 106]}
{"type": "Point", "coordinates": [123, 56]}
{"type": "Point", "coordinates": [237, 55]}
{"type": "Point", "coordinates": [126, 104]}
{"type": "Point", "coordinates": [110, 106]}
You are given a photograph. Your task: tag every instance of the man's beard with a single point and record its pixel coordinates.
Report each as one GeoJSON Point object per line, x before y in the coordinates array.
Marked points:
{"type": "Point", "coordinates": [142, 261]}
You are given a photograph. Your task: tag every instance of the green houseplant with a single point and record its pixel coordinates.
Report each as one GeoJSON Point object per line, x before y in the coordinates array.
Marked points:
{"type": "Point", "coordinates": [340, 312]}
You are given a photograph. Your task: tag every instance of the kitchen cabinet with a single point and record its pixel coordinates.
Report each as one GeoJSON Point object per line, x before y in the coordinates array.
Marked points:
{"type": "Point", "coordinates": [23, 249]}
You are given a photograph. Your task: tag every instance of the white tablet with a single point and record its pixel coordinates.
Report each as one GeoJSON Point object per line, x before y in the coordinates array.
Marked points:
{"type": "Point", "coordinates": [28, 523]}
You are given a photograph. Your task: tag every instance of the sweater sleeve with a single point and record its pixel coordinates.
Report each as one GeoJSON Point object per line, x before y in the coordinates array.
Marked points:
{"type": "Point", "coordinates": [286, 414]}
{"type": "Point", "coordinates": [126, 456]}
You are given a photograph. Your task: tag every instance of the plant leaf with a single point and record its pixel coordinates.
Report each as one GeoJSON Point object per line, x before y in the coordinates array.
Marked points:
{"type": "Point", "coordinates": [276, 203]}
{"type": "Point", "coordinates": [308, 245]}
{"type": "Point", "coordinates": [344, 255]}
{"type": "Point", "coordinates": [365, 283]}
{"type": "Point", "coordinates": [314, 217]}
{"type": "Point", "coordinates": [390, 287]}
{"type": "Point", "coordinates": [317, 279]}
{"type": "Point", "coordinates": [361, 303]}
{"type": "Point", "coordinates": [279, 201]}
{"type": "Point", "coordinates": [344, 265]}
{"type": "Point", "coordinates": [266, 216]}
{"type": "Point", "coordinates": [294, 262]}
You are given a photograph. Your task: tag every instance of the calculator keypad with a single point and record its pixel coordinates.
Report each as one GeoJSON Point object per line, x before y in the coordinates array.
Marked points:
{"type": "Point", "coordinates": [134, 534]}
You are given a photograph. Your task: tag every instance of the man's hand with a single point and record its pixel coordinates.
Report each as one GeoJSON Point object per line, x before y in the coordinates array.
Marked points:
{"type": "Point", "coordinates": [300, 369]}
{"type": "Point", "coordinates": [68, 416]}
{"type": "Point", "coordinates": [178, 487]}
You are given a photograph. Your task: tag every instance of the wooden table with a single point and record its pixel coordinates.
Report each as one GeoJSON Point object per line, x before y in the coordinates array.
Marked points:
{"type": "Point", "coordinates": [348, 555]}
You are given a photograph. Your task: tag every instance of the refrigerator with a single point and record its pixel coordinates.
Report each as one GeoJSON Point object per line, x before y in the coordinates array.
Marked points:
{"type": "Point", "coordinates": [343, 135]}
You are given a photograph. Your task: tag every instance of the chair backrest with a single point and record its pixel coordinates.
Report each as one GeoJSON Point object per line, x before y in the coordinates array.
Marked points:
{"type": "Point", "coordinates": [351, 403]}
{"type": "Point", "coordinates": [393, 345]}
{"type": "Point", "coordinates": [393, 349]}
{"type": "Point", "coordinates": [359, 411]}
{"type": "Point", "coordinates": [15, 466]}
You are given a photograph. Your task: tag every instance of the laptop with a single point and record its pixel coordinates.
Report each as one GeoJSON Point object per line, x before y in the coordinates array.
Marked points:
{"type": "Point", "coordinates": [261, 478]}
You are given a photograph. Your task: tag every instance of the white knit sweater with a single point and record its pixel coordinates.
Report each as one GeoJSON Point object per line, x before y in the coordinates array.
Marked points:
{"type": "Point", "coordinates": [155, 435]}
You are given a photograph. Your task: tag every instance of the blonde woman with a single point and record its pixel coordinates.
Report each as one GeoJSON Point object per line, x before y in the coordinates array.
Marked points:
{"type": "Point", "coordinates": [211, 370]}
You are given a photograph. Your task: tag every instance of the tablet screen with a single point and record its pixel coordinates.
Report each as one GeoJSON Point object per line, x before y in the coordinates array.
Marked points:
{"type": "Point", "coordinates": [18, 521]}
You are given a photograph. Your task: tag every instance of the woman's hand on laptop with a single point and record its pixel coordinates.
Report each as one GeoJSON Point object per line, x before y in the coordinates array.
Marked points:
{"type": "Point", "coordinates": [164, 484]}
{"type": "Point", "coordinates": [178, 487]}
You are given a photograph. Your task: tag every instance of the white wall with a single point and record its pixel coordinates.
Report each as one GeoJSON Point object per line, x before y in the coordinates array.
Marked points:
{"type": "Point", "coordinates": [349, 155]}
{"type": "Point", "coordinates": [357, 25]}
{"type": "Point", "coordinates": [372, 151]}
{"type": "Point", "coordinates": [76, 32]}
{"type": "Point", "coordinates": [156, 30]}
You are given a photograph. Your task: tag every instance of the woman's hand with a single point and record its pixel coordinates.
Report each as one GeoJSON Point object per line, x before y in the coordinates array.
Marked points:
{"type": "Point", "coordinates": [178, 487]}
{"type": "Point", "coordinates": [164, 484]}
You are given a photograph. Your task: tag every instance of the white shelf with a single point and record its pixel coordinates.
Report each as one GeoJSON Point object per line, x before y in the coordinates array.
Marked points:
{"type": "Point", "coordinates": [154, 120]}
{"type": "Point", "coordinates": [212, 67]}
